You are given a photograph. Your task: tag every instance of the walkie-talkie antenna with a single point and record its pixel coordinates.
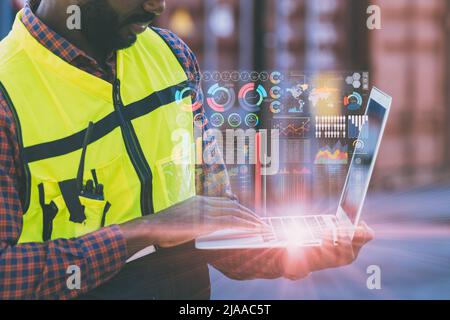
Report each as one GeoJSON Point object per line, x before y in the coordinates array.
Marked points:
{"type": "Point", "coordinates": [86, 141]}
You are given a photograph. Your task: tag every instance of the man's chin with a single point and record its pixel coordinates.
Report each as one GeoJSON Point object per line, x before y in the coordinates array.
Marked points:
{"type": "Point", "coordinates": [108, 44]}
{"type": "Point", "coordinates": [125, 42]}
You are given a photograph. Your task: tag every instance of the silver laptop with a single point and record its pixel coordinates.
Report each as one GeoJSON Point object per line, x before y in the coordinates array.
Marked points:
{"type": "Point", "coordinates": [308, 230]}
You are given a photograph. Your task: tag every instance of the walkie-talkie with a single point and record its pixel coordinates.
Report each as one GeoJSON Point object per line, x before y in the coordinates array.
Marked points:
{"type": "Point", "coordinates": [92, 189]}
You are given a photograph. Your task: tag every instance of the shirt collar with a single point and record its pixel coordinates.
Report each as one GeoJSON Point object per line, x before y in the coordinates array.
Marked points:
{"type": "Point", "coordinates": [51, 40]}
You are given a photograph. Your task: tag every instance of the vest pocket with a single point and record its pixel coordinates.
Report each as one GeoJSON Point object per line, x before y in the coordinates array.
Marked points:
{"type": "Point", "coordinates": [95, 211]}
{"type": "Point", "coordinates": [170, 172]}
{"type": "Point", "coordinates": [56, 215]}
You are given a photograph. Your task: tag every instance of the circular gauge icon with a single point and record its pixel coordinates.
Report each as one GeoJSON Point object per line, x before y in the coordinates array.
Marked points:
{"type": "Point", "coordinates": [275, 92]}
{"type": "Point", "coordinates": [251, 120]}
{"type": "Point", "coordinates": [216, 76]}
{"type": "Point", "coordinates": [234, 120]}
{"type": "Point", "coordinates": [245, 76]}
{"type": "Point", "coordinates": [226, 76]}
{"type": "Point", "coordinates": [251, 97]}
{"type": "Point", "coordinates": [200, 121]}
{"type": "Point", "coordinates": [353, 101]}
{"type": "Point", "coordinates": [276, 77]}
{"type": "Point", "coordinates": [358, 144]}
{"type": "Point", "coordinates": [275, 107]}
{"type": "Point", "coordinates": [217, 120]}
{"type": "Point", "coordinates": [221, 99]}
{"type": "Point", "coordinates": [264, 76]}
{"type": "Point", "coordinates": [235, 76]}
{"type": "Point", "coordinates": [207, 76]}
{"type": "Point", "coordinates": [254, 76]}
{"type": "Point", "coordinates": [187, 105]}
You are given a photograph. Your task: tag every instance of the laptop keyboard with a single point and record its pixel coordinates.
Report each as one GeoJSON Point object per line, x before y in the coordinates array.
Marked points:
{"type": "Point", "coordinates": [296, 229]}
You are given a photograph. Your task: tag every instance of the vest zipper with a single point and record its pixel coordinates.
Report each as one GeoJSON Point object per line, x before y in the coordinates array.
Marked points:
{"type": "Point", "coordinates": [135, 153]}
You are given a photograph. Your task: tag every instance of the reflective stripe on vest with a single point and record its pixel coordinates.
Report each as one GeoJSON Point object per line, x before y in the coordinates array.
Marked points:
{"type": "Point", "coordinates": [137, 150]}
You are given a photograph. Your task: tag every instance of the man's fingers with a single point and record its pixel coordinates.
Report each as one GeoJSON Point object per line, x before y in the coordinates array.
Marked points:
{"type": "Point", "coordinates": [250, 212]}
{"type": "Point", "coordinates": [363, 234]}
{"type": "Point", "coordinates": [367, 231]}
{"type": "Point", "coordinates": [240, 214]}
{"type": "Point", "coordinates": [220, 207]}
{"type": "Point", "coordinates": [233, 204]}
{"type": "Point", "coordinates": [326, 253]}
{"type": "Point", "coordinates": [227, 203]}
{"type": "Point", "coordinates": [235, 222]}
{"type": "Point", "coordinates": [220, 202]}
{"type": "Point", "coordinates": [345, 252]}
{"type": "Point", "coordinates": [247, 211]}
{"type": "Point", "coordinates": [328, 239]}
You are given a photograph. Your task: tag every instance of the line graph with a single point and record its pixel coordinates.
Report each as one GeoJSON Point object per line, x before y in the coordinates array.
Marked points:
{"type": "Point", "coordinates": [292, 127]}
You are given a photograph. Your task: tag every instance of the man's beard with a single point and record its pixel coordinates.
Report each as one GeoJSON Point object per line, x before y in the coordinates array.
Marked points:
{"type": "Point", "coordinates": [101, 26]}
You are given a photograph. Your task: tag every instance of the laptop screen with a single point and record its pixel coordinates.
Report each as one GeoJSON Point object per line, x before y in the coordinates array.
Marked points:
{"type": "Point", "coordinates": [370, 127]}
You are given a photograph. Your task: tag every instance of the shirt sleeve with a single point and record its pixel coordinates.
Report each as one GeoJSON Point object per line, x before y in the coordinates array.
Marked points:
{"type": "Point", "coordinates": [44, 270]}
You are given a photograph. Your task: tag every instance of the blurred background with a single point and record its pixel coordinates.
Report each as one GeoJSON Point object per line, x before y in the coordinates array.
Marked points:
{"type": "Point", "coordinates": [409, 58]}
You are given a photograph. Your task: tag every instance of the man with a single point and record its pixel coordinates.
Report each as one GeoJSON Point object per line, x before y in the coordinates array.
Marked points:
{"type": "Point", "coordinates": [88, 172]}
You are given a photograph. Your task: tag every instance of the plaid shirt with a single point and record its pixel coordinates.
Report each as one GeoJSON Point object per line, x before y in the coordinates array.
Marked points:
{"type": "Point", "coordinates": [39, 270]}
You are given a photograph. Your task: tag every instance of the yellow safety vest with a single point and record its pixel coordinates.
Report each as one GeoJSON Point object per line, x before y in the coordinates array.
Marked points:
{"type": "Point", "coordinates": [136, 149]}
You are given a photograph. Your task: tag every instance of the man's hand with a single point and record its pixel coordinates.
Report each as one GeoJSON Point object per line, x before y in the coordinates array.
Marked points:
{"type": "Point", "coordinates": [299, 263]}
{"type": "Point", "coordinates": [291, 263]}
{"type": "Point", "coordinates": [187, 221]}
